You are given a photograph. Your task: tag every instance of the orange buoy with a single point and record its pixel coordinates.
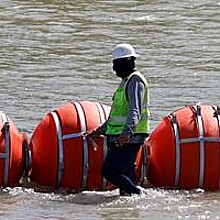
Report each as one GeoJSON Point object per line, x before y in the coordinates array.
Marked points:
{"type": "Point", "coordinates": [12, 152]}
{"type": "Point", "coordinates": [61, 157]}
{"type": "Point", "coordinates": [185, 149]}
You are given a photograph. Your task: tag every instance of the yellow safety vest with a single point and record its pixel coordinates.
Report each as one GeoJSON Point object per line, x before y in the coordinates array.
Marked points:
{"type": "Point", "coordinates": [120, 107]}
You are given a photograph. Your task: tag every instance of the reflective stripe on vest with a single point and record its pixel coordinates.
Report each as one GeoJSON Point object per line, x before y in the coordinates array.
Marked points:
{"type": "Point", "coordinates": [120, 107]}
{"type": "Point", "coordinates": [121, 119]}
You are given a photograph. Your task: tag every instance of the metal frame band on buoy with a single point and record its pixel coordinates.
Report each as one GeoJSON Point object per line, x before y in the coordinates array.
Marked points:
{"type": "Point", "coordinates": [217, 115]}
{"type": "Point", "coordinates": [102, 117]}
{"type": "Point", "coordinates": [144, 162]}
{"type": "Point", "coordinates": [177, 140]}
{"type": "Point", "coordinates": [62, 137]}
{"type": "Point", "coordinates": [201, 139]}
{"type": "Point", "coordinates": [202, 145]}
{"type": "Point", "coordinates": [82, 120]}
{"type": "Point", "coordinates": [5, 155]}
{"type": "Point", "coordinates": [60, 149]}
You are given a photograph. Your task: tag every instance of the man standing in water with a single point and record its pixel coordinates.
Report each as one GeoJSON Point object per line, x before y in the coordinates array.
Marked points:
{"type": "Point", "coordinates": [127, 125]}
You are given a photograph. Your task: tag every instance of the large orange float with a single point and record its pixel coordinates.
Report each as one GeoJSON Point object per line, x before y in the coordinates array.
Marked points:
{"type": "Point", "coordinates": [62, 157]}
{"type": "Point", "coordinates": [14, 154]}
{"type": "Point", "coordinates": [185, 149]}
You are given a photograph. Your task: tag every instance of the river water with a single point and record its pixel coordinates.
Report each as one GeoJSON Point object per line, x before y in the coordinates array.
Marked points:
{"type": "Point", "coordinates": [54, 51]}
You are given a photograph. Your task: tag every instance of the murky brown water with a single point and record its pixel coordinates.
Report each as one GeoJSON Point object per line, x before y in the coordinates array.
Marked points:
{"type": "Point", "coordinates": [54, 51]}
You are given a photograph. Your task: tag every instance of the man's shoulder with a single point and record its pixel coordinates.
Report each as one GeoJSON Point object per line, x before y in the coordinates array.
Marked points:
{"type": "Point", "coordinates": [137, 77]}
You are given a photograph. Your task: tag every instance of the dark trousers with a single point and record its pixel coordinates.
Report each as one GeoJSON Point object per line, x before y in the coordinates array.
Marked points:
{"type": "Point", "coordinates": [119, 166]}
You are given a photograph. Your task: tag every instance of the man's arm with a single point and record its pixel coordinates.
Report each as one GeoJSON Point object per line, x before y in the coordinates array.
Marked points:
{"type": "Point", "coordinates": [135, 92]}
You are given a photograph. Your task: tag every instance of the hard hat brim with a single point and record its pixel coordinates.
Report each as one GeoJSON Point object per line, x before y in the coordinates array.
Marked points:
{"type": "Point", "coordinates": [125, 56]}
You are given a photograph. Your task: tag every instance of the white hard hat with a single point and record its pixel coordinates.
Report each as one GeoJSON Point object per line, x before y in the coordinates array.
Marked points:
{"type": "Point", "coordinates": [122, 51]}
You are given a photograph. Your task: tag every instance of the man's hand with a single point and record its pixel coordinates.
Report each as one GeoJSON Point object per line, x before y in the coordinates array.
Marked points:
{"type": "Point", "coordinates": [93, 134]}
{"type": "Point", "coordinates": [123, 139]}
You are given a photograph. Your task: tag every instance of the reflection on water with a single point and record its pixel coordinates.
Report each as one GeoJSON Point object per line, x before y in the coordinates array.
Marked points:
{"type": "Point", "coordinates": [154, 204]}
